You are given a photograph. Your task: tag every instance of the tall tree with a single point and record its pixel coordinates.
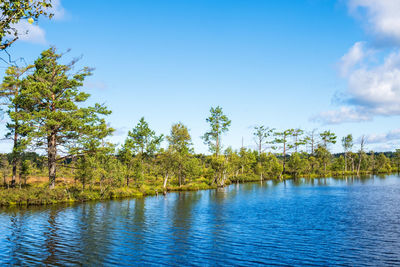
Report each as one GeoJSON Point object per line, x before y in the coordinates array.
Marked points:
{"type": "Point", "coordinates": [219, 124]}
{"type": "Point", "coordinates": [144, 143]}
{"type": "Point", "coordinates": [311, 140]}
{"type": "Point", "coordinates": [125, 155]}
{"type": "Point", "coordinates": [347, 143]}
{"type": "Point", "coordinates": [282, 139]}
{"type": "Point", "coordinates": [324, 156]}
{"type": "Point", "coordinates": [361, 151]}
{"type": "Point", "coordinates": [4, 168]}
{"type": "Point", "coordinates": [17, 130]}
{"type": "Point", "coordinates": [261, 135]}
{"type": "Point", "coordinates": [327, 138]}
{"type": "Point", "coordinates": [298, 139]}
{"type": "Point", "coordinates": [179, 143]}
{"type": "Point", "coordinates": [52, 100]}
{"type": "Point", "coordinates": [13, 11]}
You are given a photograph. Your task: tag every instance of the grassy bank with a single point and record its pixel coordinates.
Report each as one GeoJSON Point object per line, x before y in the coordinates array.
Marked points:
{"type": "Point", "coordinates": [38, 193]}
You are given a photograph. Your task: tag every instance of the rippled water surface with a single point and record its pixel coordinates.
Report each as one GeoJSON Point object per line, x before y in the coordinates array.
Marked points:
{"type": "Point", "coordinates": [322, 221]}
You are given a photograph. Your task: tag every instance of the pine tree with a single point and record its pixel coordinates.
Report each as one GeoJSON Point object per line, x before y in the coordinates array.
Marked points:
{"type": "Point", "coordinates": [53, 103]}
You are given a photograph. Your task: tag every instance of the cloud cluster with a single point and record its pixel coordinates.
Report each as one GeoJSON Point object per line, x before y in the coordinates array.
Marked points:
{"type": "Point", "coordinates": [384, 141]}
{"type": "Point", "coordinates": [35, 34]}
{"type": "Point", "coordinates": [372, 73]}
{"type": "Point", "coordinates": [57, 9]}
{"type": "Point", "coordinates": [390, 136]}
{"type": "Point", "coordinates": [381, 17]}
{"type": "Point", "coordinates": [30, 33]}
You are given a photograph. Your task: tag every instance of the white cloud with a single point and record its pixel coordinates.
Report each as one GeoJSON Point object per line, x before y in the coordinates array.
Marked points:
{"type": "Point", "coordinates": [371, 89]}
{"type": "Point", "coordinates": [342, 115]}
{"type": "Point", "coordinates": [33, 33]}
{"type": "Point", "coordinates": [393, 135]}
{"type": "Point", "coordinates": [57, 9]}
{"type": "Point", "coordinates": [98, 85]}
{"type": "Point", "coordinates": [352, 58]}
{"type": "Point", "coordinates": [30, 33]}
{"type": "Point", "coordinates": [377, 88]}
{"type": "Point", "coordinates": [372, 75]}
{"type": "Point", "coordinates": [381, 17]}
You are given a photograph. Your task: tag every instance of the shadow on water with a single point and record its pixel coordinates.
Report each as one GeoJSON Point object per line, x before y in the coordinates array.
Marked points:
{"type": "Point", "coordinates": [182, 220]}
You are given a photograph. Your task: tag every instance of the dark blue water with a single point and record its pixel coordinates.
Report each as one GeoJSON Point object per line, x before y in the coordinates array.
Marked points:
{"type": "Point", "coordinates": [311, 222]}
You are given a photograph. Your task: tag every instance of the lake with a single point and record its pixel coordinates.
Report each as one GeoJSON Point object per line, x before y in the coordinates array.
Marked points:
{"type": "Point", "coordinates": [353, 221]}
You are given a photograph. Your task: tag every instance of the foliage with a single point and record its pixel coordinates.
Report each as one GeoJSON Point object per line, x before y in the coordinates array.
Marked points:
{"type": "Point", "coordinates": [52, 105]}
{"type": "Point", "coordinates": [142, 140]}
{"type": "Point", "coordinates": [219, 124]}
{"type": "Point", "coordinates": [13, 11]}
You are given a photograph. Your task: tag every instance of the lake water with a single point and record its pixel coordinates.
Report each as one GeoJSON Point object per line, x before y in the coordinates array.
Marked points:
{"type": "Point", "coordinates": [310, 222]}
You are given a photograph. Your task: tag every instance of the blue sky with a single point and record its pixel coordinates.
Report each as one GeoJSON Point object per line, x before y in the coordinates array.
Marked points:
{"type": "Point", "coordinates": [325, 64]}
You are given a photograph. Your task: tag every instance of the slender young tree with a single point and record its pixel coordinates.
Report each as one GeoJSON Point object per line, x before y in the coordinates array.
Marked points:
{"type": "Point", "coordinates": [323, 155]}
{"type": "Point", "coordinates": [52, 102]}
{"type": "Point", "coordinates": [327, 138]}
{"type": "Point", "coordinates": [347, 143]}
{"type": "Point", "coordinates": [311, 140]}
{"type": "Point", "coordinates": [125, 155]}
{"type": "Point", "coordinates": [299, 140]}
{"type": "Point", "coordinates": [179, 143]}
{"type": "Point", "coordinates": [167, 162]}
{"type": "Point", "coordinates": [17, 129]}
{"type": "Point", "coordinates": [144, 143]}
{"type": "Point", "coordinates": [362, 145]}
{"type": "Point", "coordinates": [282, 139]}
{"type": "Point", "coordinates": [261, 135]}
{"type": "Point", "coordinates": [219, 124]}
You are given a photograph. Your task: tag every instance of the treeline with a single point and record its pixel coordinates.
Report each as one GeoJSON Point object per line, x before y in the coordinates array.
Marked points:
{"type": "Point", "coordinates": [55, 133]}
{"type": "Point", "coordinates": [47, 112]}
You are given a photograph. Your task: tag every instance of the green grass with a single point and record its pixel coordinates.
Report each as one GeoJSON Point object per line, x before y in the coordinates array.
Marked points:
{"type": "Point", "coordinates": [42, 195]}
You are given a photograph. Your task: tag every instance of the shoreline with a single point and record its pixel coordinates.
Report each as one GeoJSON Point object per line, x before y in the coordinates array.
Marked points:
{"type": "Point", "coordinates": [41, 195]}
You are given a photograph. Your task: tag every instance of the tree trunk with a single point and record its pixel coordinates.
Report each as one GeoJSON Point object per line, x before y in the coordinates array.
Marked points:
{"type": "Point", "coordinates": [345, 162]}
{"type": "Point", "coordinates": [14, 158]}
{"type": "Point", "coordinates": [180, 175]}
{"type": "Point", "coordinates": [19, 179]}
{"type": "Point", "coordinates": [14, 171]}
{"type": "Point", "coordinates": [52, 155]}
{"type": "Point", "coordinates": [217, 145]}
{"type": "Point", "coordinates": [165, 181]}
{"type": "Point", "coordinates": [223, 178]}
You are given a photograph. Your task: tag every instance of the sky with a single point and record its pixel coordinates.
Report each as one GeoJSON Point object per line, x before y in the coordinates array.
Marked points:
{"type": "Point", "coordinates": [309, 64]}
